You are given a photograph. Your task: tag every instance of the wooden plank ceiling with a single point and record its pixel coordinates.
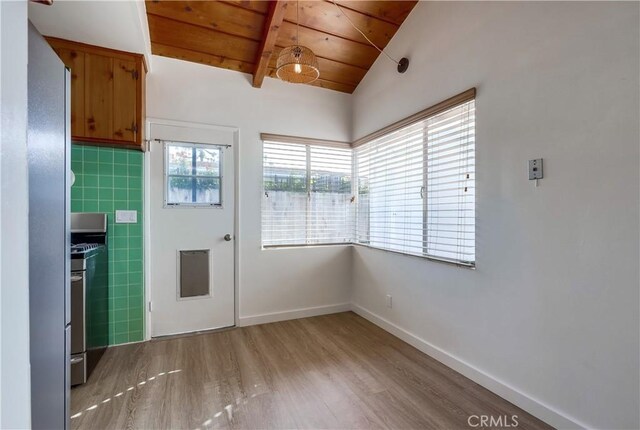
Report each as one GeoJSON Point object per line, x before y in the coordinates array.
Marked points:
{"type": "Point", "coordinates": [246, 35]}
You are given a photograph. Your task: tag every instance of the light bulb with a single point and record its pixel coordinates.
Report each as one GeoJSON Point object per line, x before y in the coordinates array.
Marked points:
{"type": "Point", "coordinates": [297, 68]}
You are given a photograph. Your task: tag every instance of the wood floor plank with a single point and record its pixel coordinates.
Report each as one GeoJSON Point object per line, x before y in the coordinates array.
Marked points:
{"type": "Point", "coordinates": [330, 379]}
{"type": "Point", "coordinates": [328, 372]}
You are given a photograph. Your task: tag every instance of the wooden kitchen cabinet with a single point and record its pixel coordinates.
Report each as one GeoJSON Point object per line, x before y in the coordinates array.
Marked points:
{"type": "Point", "coordinates": [74, 60]}
{"type": "Point", "coordinates": [124, 86]}
{"type": "Point", "coordinates": [107, 94]}
{"type": "Point", "coordinates": [98, 97]}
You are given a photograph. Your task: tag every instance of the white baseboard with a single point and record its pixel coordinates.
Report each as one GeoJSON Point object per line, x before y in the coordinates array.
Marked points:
{"type": "Point", "coordinates": [533, 406]}
{"type": "Point", "coordinates": [522, 400]}
{"type": "Point", "coordinates": [294, 314]}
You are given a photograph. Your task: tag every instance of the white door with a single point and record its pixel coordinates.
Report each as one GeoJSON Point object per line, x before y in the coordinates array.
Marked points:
{"type": "Point", "coordinates": [191, 220]}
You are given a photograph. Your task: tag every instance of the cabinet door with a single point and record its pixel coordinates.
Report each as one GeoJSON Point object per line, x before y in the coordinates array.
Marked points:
{"type": "Point", "coordinates": [98, 96]}
{"type": "Point", "coordinates": [74, 60]}
{"type": "Point", "coordinates": [125, 80]}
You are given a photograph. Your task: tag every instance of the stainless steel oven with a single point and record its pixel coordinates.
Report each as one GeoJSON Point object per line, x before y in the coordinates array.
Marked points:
{"type": "Point", "coordinates": [78, 355]}
{"type": "Point", "coordinates": [89, 293]}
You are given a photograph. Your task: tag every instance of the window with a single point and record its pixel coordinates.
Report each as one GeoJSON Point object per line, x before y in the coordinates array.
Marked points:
{"type": "Point", "coordinates": [416, 187]}
{"type": "Point", "coordinates": [192, 174]}
{"type": "Point", "coordinates": [390, 185]}
{"type": "Point", "coordinates": [307, 196]}
{"type": "Point", "coordinates": [413, 187]}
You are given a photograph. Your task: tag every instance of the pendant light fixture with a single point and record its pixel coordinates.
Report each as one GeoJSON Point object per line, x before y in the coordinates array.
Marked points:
{"type": "Point", "coordinates": [296, 63]}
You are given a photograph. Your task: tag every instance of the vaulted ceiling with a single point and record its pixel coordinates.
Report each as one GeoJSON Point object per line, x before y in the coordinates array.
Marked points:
{"type": "Point", "coordinates": [246, 36]}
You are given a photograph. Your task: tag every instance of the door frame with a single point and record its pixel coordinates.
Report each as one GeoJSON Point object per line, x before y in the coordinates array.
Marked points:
{"type": "Point", "coordinates": [147, 211]}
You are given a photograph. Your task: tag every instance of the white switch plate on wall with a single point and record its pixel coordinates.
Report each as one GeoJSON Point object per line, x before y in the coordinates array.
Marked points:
{"type": "Point", "coordinates": [126, 217]}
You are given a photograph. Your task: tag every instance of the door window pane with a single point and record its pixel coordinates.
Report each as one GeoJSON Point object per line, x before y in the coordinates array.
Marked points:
{"type": "Point", "coordinates": [207, 162]}
{"type": "Point", "coordinates": [193, 174]}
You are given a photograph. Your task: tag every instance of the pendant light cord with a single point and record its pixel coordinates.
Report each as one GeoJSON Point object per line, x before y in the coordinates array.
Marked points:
{"type": "Point", "coordinates": [363, 35]}
{"type": "Point", "coordinates": [298, 22]}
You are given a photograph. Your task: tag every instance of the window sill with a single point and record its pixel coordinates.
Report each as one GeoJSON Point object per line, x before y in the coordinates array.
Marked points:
{"type": "Point", "coordinates": [192, 206]}
{"type": "Point", "coordinates": [422, 257]}
{"type": "Point", "coordinates": [314, 245]}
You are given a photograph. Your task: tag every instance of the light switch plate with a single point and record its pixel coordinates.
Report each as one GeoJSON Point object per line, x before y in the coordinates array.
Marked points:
{"type": "Point", "coordinates": [535, 169]}
{"type": "Point", "coordinates": [126, 217]}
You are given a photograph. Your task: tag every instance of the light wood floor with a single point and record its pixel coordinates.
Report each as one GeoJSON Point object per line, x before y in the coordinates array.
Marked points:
{"type": "Point", "coordinates": [335, 371]}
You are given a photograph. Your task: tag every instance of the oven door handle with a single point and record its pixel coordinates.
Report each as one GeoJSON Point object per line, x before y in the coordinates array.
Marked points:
{"type": "Point", "coordinates": [76, 360]}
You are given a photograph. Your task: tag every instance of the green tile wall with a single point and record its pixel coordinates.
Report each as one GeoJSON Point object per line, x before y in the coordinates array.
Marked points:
{"type": "Point", "coordinates": [108, 179]}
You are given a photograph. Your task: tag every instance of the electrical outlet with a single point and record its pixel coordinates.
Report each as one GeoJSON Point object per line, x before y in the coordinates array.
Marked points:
{"type": "Point", "coordinates": [535, 169]}
{"type": "Point", "coordinates": [126, 217]}
{"type": "Point", "coordinates": [389, 301]}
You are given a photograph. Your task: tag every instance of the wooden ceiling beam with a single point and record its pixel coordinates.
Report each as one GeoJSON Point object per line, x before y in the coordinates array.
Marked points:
{"type": "Point", "coordinates": [272, 23]}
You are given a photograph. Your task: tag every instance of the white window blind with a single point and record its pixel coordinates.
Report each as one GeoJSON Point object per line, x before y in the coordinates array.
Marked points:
{"type": "Point", "coordinates": [416, 188]}
{"type": "Point", "coordinates": [390, 181]}
{"type": "Point", "coordinates": [307, 195]}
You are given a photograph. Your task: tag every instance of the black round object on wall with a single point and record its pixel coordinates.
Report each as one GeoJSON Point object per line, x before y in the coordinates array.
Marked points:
{"type": "Point", "coordinates": [403, 65]}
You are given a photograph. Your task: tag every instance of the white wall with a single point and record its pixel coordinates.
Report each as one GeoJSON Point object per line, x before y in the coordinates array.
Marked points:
{"type": "Point", "coordinates": [15, 400]}
{"type": "Point", "coordinates": [116, 24]}
{"type": "Point", "coordinates": [550, 316]}
{"type": "Point", "coordinates": [282, 281]}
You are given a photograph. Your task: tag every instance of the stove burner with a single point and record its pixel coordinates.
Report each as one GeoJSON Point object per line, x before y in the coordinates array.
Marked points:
{"type": "Point", "coordinates": [81, 248]}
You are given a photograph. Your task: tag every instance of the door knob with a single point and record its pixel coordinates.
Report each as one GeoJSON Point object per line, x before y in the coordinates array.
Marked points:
{"type": "Point", "coordinates": [227, 237]}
